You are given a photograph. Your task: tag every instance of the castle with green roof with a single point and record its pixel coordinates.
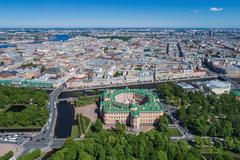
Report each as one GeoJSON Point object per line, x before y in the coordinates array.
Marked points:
{"type": "Point", "coordinates": [134, 107]}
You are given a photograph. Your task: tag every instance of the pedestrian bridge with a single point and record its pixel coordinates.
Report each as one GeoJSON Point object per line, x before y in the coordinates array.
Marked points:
{"type": "Point", "coordinates": [70, 99]}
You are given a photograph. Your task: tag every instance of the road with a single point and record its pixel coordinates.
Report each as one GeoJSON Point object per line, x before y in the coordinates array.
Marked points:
{"type": "Point", "coordinates": [46, 137]}
{"type": "Point", "coordinates": [234, 84]}
{"type": "Point", "coordinates": [170, 110]}
{"type": "Point", "coordinates": [141, 83]}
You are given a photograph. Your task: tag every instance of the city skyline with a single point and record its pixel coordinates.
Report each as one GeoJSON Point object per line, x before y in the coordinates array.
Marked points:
{"type": "Point", "coordinates": [120, 13]}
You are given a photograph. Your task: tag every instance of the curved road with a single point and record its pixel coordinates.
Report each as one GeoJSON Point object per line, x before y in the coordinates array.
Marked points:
{"type": "Point", "coordinates": [46, 137]}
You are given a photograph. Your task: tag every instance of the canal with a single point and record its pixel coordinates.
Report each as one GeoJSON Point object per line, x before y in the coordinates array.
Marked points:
{"type": "Point", "coordinates": [65, 119]}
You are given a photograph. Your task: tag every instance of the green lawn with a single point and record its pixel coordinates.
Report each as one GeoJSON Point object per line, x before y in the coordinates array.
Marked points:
{"type": "Point", "coordinates": [236, 156]}
{"type": "Point", "coordinates": [81, 126]}
{"type": "Point", "coordinates": [85, 100]}
{"type": "Point", "coordinates": [74, 133]}
{"type": "Point", "coordinates": [173, 132]}
{"type": "Point", "coordinates": [82, 123]}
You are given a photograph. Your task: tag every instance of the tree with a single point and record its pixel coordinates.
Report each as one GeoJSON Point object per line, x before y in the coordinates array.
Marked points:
{"type": "Point", "coordinates": [199, 141]}
{"type": "Point", "coordinates": [226, 129]}
{"type": "Point", "coordinates": [150, 145]}
{"type": "Point", "coordinates": [98, 126]}
{"type": "Point", "coordinates": [43, 68]}
{"type": "Point", "coordinates": [31, 155]}
{"type": "Point", "coordinates": [163, 123]}
{"type": "Point", "coordinates": [84, 156]}
{"type": "Point", "coordinates": [99, 152]}
{"type": "Point", "coordinates": [229, 143]}
{"type": "Point", "coordinates": [32, 104]}
{"type": "Point", "coordinates": [161, 155]}
{"type": "Point", "coordinates": [204, 115]}
{"type": "Point", "coordinates": [7, 156]}
{"type": "Point", "coordinates": [120, 127]}
{"type": "Point", "coordinates": [212, 130]}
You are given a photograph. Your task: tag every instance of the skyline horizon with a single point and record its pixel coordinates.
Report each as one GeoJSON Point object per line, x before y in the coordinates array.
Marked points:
{"type": "Point", "coordinates": [119, 13]}
{"type": "Point", "coordinates": [111, 27]}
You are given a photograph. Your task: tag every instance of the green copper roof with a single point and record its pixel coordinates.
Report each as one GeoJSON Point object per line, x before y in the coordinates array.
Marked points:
{"type": "Point", "coordinates": [27, 83]}
{"type": "Point", "coordinates": [6, 82]}
{"type": "Point", "coordinates": [134, 113]}
{"type": "Point", "coordinates": [111, 106]}
{"type": "Point", "coordinates": [133, 106]}
{"type": "Point", "coordinates": [236, 93]}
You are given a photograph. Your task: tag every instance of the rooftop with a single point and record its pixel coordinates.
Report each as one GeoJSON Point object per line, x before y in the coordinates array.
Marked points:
{"type": "Point", "coordinates": [237, 93]}
{"type": "Point", "coordinates": [109, 103]}
{"type": "Point", "coordinates": [218, 84]}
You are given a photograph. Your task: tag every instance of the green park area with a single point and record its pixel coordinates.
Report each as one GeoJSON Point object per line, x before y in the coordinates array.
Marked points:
{"type": "Point", "coordinates": [29, 65]}
{"type": "Point", "coordinates": [82, 126]}
{"type": "Point", "coordinates": [22, 108]}
{"type": "Point", "coordinates": [104, 144]}
{"type": "Point", "coordinates": [123, 38]}
{"type": "Point", "coordinates": [173, 132]}
{"type": "Point", "coordinates": [84, 100]}
{"type": "Point", "coordinates": [35, 154]}
{"type": "Point", "coordinates": [118, 74]}
{"type": "Point", "coordinates": [206, 115]}
{"type": "Point", "coordinates": [164, 127]}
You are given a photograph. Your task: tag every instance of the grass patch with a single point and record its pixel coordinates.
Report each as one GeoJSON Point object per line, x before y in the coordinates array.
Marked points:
{"type": "Point", "coordinates": [173, 132]}
{"type": "Point", "coordinates": [31, 155]}
{"type": "Point", "coordinates": [138, 69]}
{"type": "Point", "coordinates": [82, 123]}
{"type": "Point", "coordinates": [7, 156]}
{"type": "Point", "coordinates": [85, 100]}
{"type": "Point", "coordinates": [235, 156]}
{"type": "Point", "coordinates": [118, 74]}
{"type": "Point", "coordinates": [74, 133]}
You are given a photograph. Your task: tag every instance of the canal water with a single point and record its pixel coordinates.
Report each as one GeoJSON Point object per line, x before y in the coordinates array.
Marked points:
{"type": "Point", "coordinates": [61, 37]}
{"type": "Point", "coordinates": [65, 119]}
{"type": "Point", "coordinates": [7, 45]}
{"type": "Point", "coordinates": [55, 38]}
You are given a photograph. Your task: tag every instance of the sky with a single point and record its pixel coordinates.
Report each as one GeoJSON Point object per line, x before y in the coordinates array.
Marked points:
{"type": "Point", "coordinates": [120, 13]}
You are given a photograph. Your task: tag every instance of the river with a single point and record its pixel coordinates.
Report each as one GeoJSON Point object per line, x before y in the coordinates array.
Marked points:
{"type": "Point", "coordinates": [65, 119]}
{"type": "Point", "coordinates": [7, 45]}
{"type": "Point", "coordinates": [61, 37]}
{"type": "Point", "coordinates": [55, 38]}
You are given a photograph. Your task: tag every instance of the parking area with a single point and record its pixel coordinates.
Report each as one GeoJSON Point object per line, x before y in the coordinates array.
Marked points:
{"type": "Point", "coordinates": [13, 138]}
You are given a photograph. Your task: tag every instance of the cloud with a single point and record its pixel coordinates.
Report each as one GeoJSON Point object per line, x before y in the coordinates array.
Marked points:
{"type": "Point", "coordinates": [215, 9]}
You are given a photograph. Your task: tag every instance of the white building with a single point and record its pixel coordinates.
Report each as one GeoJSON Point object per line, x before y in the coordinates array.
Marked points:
{"type": "Point", "coordinates": [218, 87]}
